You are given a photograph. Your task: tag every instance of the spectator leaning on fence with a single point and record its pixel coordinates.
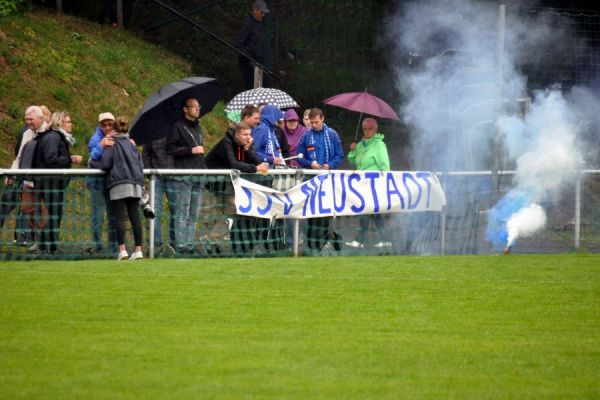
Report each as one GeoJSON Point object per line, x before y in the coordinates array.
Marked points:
{"type": "Point", "coordinates": [322, 150]}
{"type": "Point", "coordinates": [52, 152]}
{"type": "Point", "coordinates": [266, 144]}
{"type": "Point", "coordinates": [125, 184]}
{"type": "Point", "coordinates": [235, 151]}
{"type": "Point", "coordinates": [370, 154]}
{"type": "Point", "coordinates": [99, 198]}
{"type": "Point", "coordinates": [186, 144]}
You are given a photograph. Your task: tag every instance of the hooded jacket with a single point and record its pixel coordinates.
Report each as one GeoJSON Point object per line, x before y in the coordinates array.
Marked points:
{"type": "Point", "coordinates": [122, 161]}
{"type": "Point", "coordinates": [370, 154]}
{"type": "Point", "coordinates": [266, 144]}
{"type": "Point", "coordinates": [293, 137]}
{"type": "Point", "coordinates": [228, 154]}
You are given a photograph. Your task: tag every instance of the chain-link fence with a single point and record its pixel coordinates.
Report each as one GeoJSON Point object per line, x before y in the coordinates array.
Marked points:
{"type": "Point", "coordinates": [82, 226]}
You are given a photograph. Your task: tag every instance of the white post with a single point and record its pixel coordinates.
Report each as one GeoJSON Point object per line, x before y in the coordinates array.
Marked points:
{"type": "Point", "coordinates": [152, 187]}
{"type": "Point", "coordinates": [258, 77]}
{"type": "Point", "coordinates": [497, 145]}
{"type": "Point", "coordinates": [577, 227]}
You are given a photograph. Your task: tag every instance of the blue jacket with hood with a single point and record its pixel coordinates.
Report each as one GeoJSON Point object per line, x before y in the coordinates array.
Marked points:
{"type": "Point", "coordinates": [265, 141]}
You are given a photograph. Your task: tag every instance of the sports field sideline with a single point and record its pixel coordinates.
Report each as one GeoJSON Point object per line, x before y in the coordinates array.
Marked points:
{"type": "Point", "coordinates": [310, 328]}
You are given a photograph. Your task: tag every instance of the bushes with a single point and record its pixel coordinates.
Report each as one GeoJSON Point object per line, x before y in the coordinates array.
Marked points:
{"type": "Point", "coordinates": [10, 6]}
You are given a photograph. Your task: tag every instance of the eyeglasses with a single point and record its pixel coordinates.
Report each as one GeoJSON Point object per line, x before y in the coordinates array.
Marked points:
{"type": "Point", "coordinates": [67, 121]}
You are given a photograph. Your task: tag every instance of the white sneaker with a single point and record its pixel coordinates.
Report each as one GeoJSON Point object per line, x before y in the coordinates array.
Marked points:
{"type": "Point", "coordinates": [136, 255]}
{"type": "Point", "coordinates": [328, 246]}
{"type": "Point", "coordinates": [381, 245]}
{"type": "Point", "coordinates": [355, 244]}
{"type": "Point", "coordinates": [122, 255]}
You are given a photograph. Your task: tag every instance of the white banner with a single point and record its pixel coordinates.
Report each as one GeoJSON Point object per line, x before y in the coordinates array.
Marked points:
{"type": "Point", "coordinates": [343, 193]}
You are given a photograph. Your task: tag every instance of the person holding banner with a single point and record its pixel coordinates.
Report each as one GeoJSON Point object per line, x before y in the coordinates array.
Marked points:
{"type": "Point", "coordinates": [235, 151]}
{"type": "Point", "coordinates": [322, 150]}
{"type": "Point", "coordinates": [370, 154]}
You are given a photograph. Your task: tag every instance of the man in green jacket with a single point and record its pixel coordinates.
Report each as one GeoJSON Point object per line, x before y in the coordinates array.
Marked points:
{"type": "Point", "coordinates": [370, 154]}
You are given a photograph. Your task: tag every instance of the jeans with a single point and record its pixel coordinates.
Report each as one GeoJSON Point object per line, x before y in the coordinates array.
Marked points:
{"type": "Point", "coordinates": [164, 187]}
{"type": "Point", "coordinates": [189, 201]}
{"type": "Point", "coordinates": [100, 206]}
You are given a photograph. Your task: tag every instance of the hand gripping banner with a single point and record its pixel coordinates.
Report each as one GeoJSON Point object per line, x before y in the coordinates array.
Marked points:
{"type": "Point", "coordinates": [343, 193]}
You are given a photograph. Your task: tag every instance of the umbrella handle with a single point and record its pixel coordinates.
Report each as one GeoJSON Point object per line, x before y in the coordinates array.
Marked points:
{"type": "Point", "coordinates": [357, 127]}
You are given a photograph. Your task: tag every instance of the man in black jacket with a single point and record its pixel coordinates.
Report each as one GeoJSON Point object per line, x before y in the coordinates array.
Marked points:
{"type": "Point", "coordinates": [185, 143]}
{"type": "Point", "coordinates": [251, 40]}
{"type": "Point", "coordinates": [235, 151]}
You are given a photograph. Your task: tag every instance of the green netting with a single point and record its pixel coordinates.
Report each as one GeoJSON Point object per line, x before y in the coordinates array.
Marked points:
{"type": "Point", "coordinates": [72, 209]}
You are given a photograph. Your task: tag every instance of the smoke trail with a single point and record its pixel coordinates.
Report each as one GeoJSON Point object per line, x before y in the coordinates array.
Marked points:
{"type": "Point", "coordinates": [525, 222]}
{"type": "Point", "coordinates": [463, 89]}
{"type": "Point", "coordinates": [545, 142]}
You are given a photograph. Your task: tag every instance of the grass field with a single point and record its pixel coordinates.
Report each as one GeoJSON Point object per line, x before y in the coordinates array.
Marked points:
{"type": "Point", "coordinates": [335, 328]}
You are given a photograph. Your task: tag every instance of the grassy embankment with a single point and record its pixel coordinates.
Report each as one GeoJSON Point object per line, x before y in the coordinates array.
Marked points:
{"type": "Point", "coordinates": [72, 64]}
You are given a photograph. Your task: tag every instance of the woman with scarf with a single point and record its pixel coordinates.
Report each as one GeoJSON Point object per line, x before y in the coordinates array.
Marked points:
{"type": "Point", "coordinates": [125, 183]}
{"type": "Point", "coordinates": [52, 151]}
{"type": "Point", "coordinates": [293, 131]}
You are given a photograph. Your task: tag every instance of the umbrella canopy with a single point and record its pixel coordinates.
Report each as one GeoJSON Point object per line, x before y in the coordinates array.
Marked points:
{"type": "Point", "coordinates": [363, 102]}
{"type": "Point", "coordinates": [165, 106]}
{"type": "Point", "coordinates": [276, 97]}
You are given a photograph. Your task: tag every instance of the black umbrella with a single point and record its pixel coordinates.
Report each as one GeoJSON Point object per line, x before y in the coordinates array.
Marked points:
{"type": "Point", "coordinates": [165, 106]}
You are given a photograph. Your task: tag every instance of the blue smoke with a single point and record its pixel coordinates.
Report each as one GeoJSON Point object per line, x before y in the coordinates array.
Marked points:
{"type": "Point", "coordinates": [513, 201]}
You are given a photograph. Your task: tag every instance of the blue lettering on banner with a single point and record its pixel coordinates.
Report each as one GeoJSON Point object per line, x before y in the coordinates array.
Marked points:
{"type": "Point", "coordinates": [322, 194]}
{"type": "Point", "coordinates": [263, 211]}
{"type": "Point", "coordinates": [372, 176]}
{"type": "Point", "coordinates": [390, 181]}
{"type": "Point", "coordinates": [425, 176]}
{"type": "Point", "coordinates": [356, 177]}
{"type": "Point", "coordinates": [310, 196]}
{"type": "Point", "coordinates": [343, 191]}
{"type": "Point", "coordinates": [249, 206]}
{"type": "Point", "coordinates": [405, 177]}
{"type": "Point", "coordinates": [287, 203]}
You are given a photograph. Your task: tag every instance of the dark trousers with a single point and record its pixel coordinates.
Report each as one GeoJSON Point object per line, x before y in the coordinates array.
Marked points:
{"type": "Point", "coordinates": [131, 204]}
{"type": "Point", "coordinates": [52, 194]}
{"type": "Point", "coordinates": [318, 232]}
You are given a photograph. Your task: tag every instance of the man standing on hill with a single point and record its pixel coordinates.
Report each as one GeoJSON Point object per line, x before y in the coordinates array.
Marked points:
{"type": "Point", "coordinates": [322, 150]}
{"type": "Point", "coordinates": [186, 144]}
{"type": "Point", "coordinates": [251, 40]}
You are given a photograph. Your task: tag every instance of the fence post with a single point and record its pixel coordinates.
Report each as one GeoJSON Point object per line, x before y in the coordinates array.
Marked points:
{"type": "Point", "coordinates": [577, 227]}
{"type": "Point", "coordinates": [152, 186]}
{"type": "Point", "coordinates": [296, 239]}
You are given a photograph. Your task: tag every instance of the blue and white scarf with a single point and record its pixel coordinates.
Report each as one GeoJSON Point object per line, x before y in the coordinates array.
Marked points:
{"type": "Point", "coordinates": [312, 153]}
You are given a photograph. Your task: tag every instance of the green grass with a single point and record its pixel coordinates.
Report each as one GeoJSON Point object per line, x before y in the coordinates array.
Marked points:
{"type": "Point", "coordinates": [362, 327]}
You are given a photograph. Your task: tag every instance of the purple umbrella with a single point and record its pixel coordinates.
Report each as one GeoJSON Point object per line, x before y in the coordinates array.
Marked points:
{"type": "Point", "coordinates": [364, 103]}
